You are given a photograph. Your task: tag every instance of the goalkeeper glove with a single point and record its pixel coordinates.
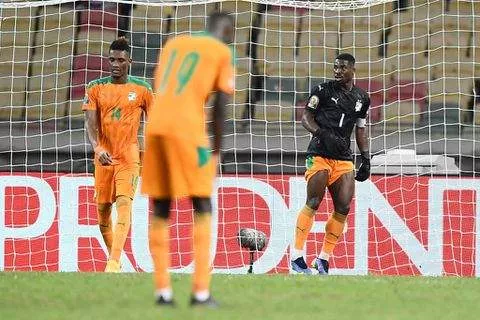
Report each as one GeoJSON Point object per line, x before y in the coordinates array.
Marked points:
{"type": "Point", "coordinates": [363, 172]}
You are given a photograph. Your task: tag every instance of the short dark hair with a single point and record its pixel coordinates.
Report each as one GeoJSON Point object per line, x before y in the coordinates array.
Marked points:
{"type": "Point", "coordinates": [216, 17]}
{"type": "Point", "coordinates": [121, 44]}
{"type": "Point", "coordinates": [347, 57]}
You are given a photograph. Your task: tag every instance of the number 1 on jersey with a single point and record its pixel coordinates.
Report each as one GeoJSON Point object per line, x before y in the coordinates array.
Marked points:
{"type": "Point", "coordinates": [341, 120]}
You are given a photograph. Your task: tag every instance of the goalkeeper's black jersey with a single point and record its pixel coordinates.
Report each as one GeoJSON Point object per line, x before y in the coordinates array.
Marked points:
{"type": "Point", "coordinates": [336, 110]}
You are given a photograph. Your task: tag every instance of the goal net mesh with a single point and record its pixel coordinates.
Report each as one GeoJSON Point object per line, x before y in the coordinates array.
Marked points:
{"type": "Point", "coordinates": [418, 60]}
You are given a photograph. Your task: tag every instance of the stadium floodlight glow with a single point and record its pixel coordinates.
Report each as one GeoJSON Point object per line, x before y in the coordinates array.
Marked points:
{"type": "Point", "coordinates": [252, 240]}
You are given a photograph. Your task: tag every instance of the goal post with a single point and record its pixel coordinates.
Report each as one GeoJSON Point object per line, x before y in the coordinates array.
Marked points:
{"type": "Point", "coordinates": [419, 61]}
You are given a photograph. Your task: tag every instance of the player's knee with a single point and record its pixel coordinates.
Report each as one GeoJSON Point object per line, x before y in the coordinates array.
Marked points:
{"type": "Point", "coordinates": [342, 209]}
{"type": "Point", "coordinates": [104, 208]}
{"type": "Point", "coordinates": [122, 201]}
{"type": "Point", "coordinates": [313, 203]}
{"type": "Point", "coordinates": [202, 205]}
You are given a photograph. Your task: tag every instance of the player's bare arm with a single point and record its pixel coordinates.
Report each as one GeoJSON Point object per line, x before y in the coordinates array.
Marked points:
{"type": "Point", "coordinates": [309, 123]}
{"type": "Point", "coordinates": [362, 143]}
{"type": "Point", "coordinates": [143, 121]}
{"type": "Point", "coordinates": [91, 125]}
{"type": "Point", "coordinates": [219, 105]}
{"type": "Point", "coordinates": [362, 139]}
{"type": "Point", "coordinates": [308, 120]}
{"type": "Point", "coordinates": [222, 29]}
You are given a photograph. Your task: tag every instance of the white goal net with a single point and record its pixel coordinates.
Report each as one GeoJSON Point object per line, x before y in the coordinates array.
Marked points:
{"type": "Point", "coordinates": [419, 60]}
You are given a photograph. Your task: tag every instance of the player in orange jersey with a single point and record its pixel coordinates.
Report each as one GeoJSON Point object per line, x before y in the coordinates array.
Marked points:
{"type": "Point", "coordinates": [113, 109]}
{"type": "Point", "coordinates": [178, 161]}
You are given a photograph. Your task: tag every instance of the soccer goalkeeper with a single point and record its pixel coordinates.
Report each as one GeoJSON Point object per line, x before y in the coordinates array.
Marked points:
{"type": "Point", "coordinates": [333, 109]}
{"type": "Point", "coordinates": [113, 109]}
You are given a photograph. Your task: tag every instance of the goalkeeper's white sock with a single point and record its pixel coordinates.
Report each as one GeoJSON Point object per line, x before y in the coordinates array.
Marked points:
{"type": "Point", "coordinates": [324, 256]}
{"type": "Point", "coordinates": [166, 293]}
{"type": "Point", "coordinates": [297, 254]}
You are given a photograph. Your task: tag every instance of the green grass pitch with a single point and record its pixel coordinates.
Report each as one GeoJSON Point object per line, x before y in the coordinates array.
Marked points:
{"type": "Point", "coordinates": [129, 296]}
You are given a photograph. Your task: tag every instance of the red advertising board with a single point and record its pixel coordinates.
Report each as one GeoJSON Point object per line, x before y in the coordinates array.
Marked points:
{"type": "Point", "coordinates": [397, 226]}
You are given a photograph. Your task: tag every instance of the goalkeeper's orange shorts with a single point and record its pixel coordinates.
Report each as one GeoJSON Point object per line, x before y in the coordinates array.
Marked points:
{"type": "Point", "coordinates": [335, 168]}
{"type": "Point", "coordinates": [174, 167]}
{"type": "Point", "coordinates": [115, 180]}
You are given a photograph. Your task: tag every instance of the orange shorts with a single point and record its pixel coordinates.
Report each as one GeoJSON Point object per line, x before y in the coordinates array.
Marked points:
{"type": "Point", "coordinates": [115, 180]}
{"type": "Point", "coordinates": [175, 167]}
{"type": "Point", "coordinates": [335, 168]}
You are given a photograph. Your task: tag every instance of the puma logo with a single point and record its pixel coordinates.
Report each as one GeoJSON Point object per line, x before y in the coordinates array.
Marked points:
{"type": "Point", "coordinates": [334, 100]}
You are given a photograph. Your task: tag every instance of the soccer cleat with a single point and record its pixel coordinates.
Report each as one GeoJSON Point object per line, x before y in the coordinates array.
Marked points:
{"type": "Point", "coordinates": [162, 302]}
{"type": "Point", "coordinates": [112, 266]}
{"type": "Point", "coordinates": [209, 303]}
{"type": "Point", "coordinates": [321, 266]}
{"type": "Point", "coordinates": [299, 265]}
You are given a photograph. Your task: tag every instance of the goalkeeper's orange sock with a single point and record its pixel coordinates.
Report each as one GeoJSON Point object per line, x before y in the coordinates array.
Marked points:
{"type": "Point", "coordinates": [333, 231]}
{"type": "Point", "coordinates": [124, 212]}
{"type": "Point", "coordinates": [158, 238]}
{"type": "Point", "coordinates": [105, 224]}
{"type": "Point", "coordinates": [304, 225]}
{"type": "Point", "coordinates": [201, 251]}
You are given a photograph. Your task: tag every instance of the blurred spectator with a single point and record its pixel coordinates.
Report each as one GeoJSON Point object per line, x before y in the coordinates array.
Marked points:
{"type": "Point", "coordinates": [383, 46]}
{"type": "Point", "coordinates": [255, 88]}
{"type": "Point", "coordinates": [400, 5]}
{"type": "Point", "coordinates": [124, 11]}
{"type": "Point", "coordinates": [254, 94]}
{"type": "Point", "coordinates": [447, 5]}
{"type": "Point", "coordinates": [170, 12]}
{"type": "Point", "coordinates": [468, 116]}
{"type": "Point", "coordinates": [255, 31]}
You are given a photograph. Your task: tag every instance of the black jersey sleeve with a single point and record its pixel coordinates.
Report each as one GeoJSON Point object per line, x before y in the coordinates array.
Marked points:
{"type": "Point", "coordinates": [316, 98]}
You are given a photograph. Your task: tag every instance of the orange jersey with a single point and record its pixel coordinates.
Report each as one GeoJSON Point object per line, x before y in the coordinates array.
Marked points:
{"type": "Point", "coordinates": [119, 109]}
{"type": "Point", "coordinates": [189, 69]}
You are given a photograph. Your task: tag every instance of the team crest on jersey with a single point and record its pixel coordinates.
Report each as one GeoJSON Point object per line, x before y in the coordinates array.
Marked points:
{"type": "Point", "coordinates": [313, 102]}
{"type": "Point", "coordinates": [358, 106]}
{"type": "Point", "coordinates": [132, 96]}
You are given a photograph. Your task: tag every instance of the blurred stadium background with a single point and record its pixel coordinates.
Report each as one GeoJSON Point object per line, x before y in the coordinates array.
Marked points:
{"type": "Point", "coordinates": [417, 59]}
